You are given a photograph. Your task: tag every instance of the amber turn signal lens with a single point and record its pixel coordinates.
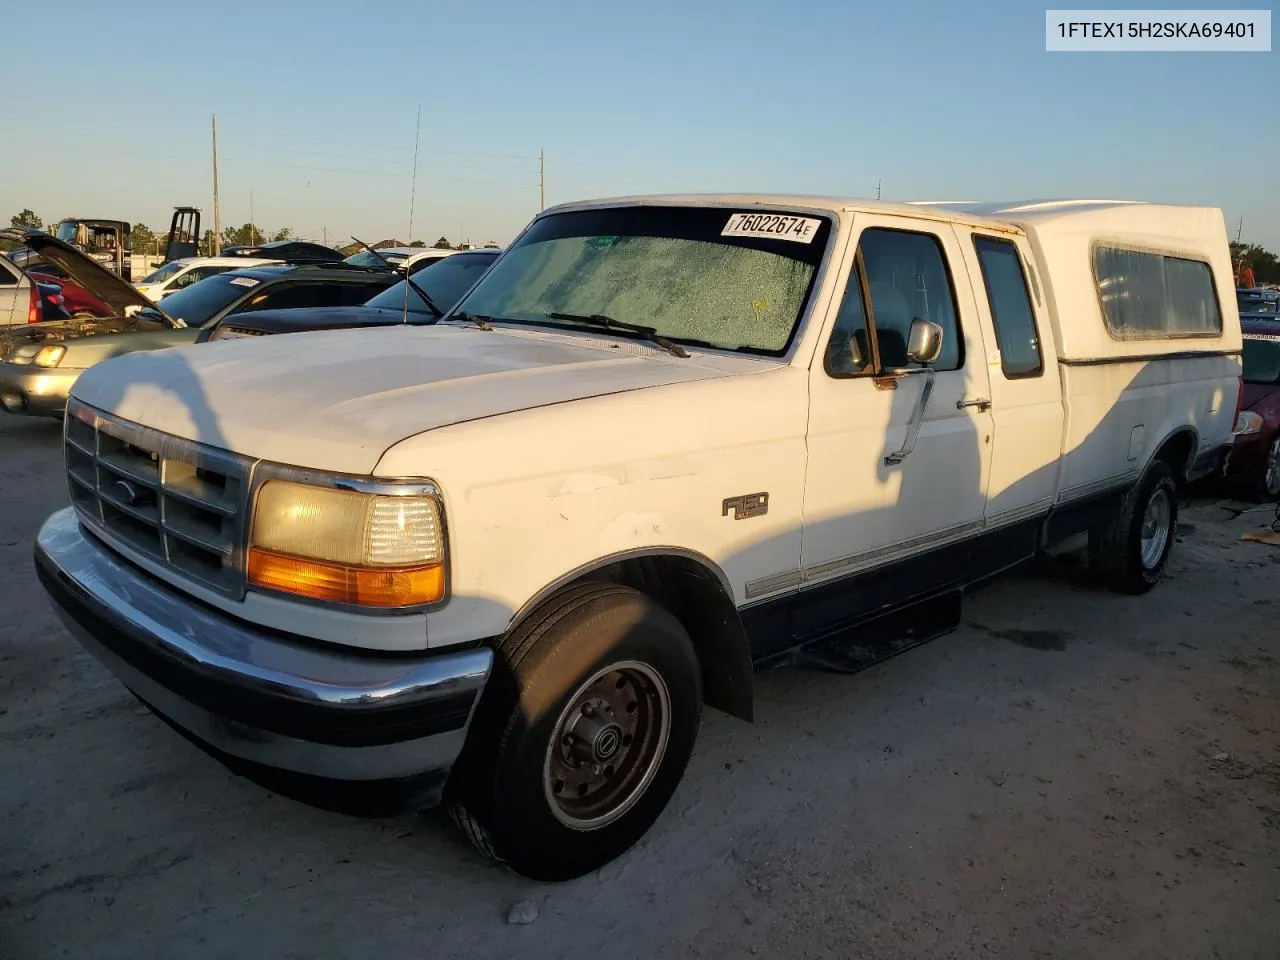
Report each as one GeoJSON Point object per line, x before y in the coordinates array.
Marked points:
{"type": "Point", "coordinates": [339, 583]}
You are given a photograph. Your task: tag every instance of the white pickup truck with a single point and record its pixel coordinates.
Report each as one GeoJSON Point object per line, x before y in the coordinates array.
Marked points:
{"type": "Point", "coordinates": [502, 560]}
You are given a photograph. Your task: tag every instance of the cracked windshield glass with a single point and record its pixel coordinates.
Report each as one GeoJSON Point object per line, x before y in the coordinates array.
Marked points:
{"type": "Point", "coordinates": [719, 277]}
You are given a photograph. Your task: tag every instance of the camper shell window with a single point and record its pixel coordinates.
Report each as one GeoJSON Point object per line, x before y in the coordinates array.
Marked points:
{"type": "Point", "coordinates": [1147, 295]}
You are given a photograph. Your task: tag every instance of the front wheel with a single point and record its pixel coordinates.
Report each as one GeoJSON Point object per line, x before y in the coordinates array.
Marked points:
{"type": "Point", "coordinates": [1129, 553]}
{"type": "Point", "coordinates": [582, 735]}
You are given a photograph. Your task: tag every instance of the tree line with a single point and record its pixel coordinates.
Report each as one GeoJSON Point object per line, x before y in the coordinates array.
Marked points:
{"type": "Point", "coordinates": [1265, 264]}
{"type": "Point", "coordinates": [145, 241]}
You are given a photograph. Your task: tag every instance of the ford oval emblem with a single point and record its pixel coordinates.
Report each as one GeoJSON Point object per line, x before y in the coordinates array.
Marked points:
{"type": "Point", "coordinates": [125, 492]}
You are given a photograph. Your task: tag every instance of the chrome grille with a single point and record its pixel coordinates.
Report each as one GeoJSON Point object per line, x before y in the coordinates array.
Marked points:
{"type": "Point", "coordinates": [176, 502]}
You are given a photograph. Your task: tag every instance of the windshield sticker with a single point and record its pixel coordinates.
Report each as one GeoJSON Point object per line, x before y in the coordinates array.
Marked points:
{"type": "Point", "coordinates": [244, 281]}
{"type": "Point", "coordinates": [772, 225]}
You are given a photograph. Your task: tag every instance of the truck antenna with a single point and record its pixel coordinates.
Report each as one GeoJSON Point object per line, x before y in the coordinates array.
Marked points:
{"type": "Point", "coordinates": [413, 184]}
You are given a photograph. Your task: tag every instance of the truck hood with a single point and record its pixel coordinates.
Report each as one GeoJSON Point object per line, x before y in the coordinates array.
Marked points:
{"type": "Point", "coordinates": [338, 400]}
{"type": "Point", "coordinates": [84, 271]}
{"type": "Point", "coordinates": [317, 318]}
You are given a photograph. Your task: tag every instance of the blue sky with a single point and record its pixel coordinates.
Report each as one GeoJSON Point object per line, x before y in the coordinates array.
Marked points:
{"type": "Point", "coordinates": [316, 108]}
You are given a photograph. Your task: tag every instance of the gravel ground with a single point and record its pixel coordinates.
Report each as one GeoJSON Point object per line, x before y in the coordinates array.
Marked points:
{"type": "Point", "coordinates": [1071, 775]}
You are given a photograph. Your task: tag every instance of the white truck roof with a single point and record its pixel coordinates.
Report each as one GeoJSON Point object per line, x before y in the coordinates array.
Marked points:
{"type": "Point", "coordinates": [1062, 232]}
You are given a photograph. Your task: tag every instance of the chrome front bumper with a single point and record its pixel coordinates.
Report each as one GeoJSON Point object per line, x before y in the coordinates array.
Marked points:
{"type": "Point", "coordinates": [274, 701]}
{"type": "Point", "coordinates": [35, 391]}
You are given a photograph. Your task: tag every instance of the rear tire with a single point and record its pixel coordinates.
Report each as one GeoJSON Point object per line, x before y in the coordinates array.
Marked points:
{"type": "Point", "coordinates": [582, 735]}
{"type": "Point", "coordinates": [1129, 553]}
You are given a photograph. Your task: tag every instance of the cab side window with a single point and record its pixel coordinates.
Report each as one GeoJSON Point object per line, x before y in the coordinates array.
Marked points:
{"type": "Point", "coordinates": [849, 350]}
{"type": "Point", "coordinates": [901, 275]}
{"type": "Point", "coordinates": [1010, 304]}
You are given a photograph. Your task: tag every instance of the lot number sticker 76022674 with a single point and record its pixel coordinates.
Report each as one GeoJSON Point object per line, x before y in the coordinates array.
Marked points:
{"type": "Point", "coordinates": [776, 226]}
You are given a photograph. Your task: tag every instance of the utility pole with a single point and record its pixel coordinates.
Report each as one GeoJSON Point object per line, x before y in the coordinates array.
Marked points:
{"type": "Point", "coordinates": [252, 229]}
{"type": "Point", "coordinates": [1240, 229]}
{"type": "Point", "coordinates": [216, 247]}
{"type": "Point", "coordinates": [325, 231]}
{"type": "Point", "coordinates": [542, 179]}
{"type": "Point", "coordinates": [877, 189]}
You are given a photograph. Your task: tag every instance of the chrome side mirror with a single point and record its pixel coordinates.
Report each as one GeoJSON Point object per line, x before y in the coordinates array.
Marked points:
{"type": "Point", "coordinates": [924, 341]}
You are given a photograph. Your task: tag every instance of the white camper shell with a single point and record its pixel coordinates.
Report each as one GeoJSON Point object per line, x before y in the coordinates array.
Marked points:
{"type": "Point", "coordinates": [503, 558]}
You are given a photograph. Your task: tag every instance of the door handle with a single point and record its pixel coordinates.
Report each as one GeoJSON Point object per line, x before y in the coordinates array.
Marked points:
{"type": "Point", "coordinates": [917, 417]}
{"type": "Point", "coordinates": [982, 403]}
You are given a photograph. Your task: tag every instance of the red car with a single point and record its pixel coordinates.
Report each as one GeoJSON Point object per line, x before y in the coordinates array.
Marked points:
{"type": "Point", "coordinates": [76, 300]}
{"type": "Point", "coordinates": [1253, 465]}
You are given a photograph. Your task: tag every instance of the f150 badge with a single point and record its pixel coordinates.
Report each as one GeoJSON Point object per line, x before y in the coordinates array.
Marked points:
{"type": "Point", "coordinates": [748, 505]}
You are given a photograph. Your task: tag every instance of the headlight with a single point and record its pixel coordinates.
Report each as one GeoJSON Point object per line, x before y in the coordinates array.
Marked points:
{"type": "Point", "coordinates": [1247, 422]}
{"type": "Point", "coordinates": [40, 356]}
{"type": "Point", "coordinates": [50, 356]}
{"type": "Point", "coordinates": [367, 549]}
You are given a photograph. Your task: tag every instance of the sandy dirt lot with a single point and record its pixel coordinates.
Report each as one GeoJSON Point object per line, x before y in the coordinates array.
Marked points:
{"type": "Point", "coordinates": [1071, 775]}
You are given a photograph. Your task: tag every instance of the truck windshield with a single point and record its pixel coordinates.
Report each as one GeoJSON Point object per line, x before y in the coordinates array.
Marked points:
{"type": "Point", "coordinates": [1261, 359]}
{"type": "Point", "coordinates": [727, 278]}
{"type": "Point", "coordinates": [66, 231]}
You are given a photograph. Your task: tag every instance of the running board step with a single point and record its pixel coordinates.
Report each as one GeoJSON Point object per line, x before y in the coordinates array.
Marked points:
{"type": "Point", "coordinates": [855, 649]}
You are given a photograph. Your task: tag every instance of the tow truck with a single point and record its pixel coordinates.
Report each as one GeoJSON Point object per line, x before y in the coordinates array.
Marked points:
{"type": "Point", "coordinates": [109, 242]}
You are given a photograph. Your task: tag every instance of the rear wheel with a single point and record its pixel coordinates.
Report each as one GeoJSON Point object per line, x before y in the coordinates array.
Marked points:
{"type": "Point", "coordinates": [582, 735]}
{"type": "Point", "coordinates": [1129, 553]}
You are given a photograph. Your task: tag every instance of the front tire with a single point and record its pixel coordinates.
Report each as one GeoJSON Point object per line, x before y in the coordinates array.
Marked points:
{"type": "Point", "coordinates": [1129, 553]}
{"type": "Point", "coordinates": [583, 733]}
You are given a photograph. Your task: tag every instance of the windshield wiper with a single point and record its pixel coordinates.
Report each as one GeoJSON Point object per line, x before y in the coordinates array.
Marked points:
{"type": "Point", "coordinates": [649, 333]}
{"type": "Point", "coordinates": [416, 289]}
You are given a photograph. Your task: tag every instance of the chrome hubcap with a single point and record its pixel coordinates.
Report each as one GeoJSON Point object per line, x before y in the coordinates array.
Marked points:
{"type": "Point", "coordinates": [607, 745]}
{"type": "Point", "coordinates": [1155, 528]}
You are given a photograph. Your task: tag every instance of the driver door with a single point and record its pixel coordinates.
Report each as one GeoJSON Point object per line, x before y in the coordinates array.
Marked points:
{"type": "Point", "coordinates": [888, 510]}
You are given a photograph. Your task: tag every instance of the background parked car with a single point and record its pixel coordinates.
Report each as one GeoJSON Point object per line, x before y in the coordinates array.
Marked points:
{"type": "Point", "coordinates": [40, 361]}
{"type": "Point", "coordinates": [20, 301]}
{"type": "Point", "coordinates": [1253, 466]}
{"type": "Point", "coordinates": [398, 257]}
{"type": "Point", "coordinates": [53, 303]}
{"type": "Point", "coordinates": [75, 300]}
{"type": "Point", "coordinates": [294, 251]}
{"type": "Point", "coordinates": [443, 279]}
{"type": "Point", "coordinates": [177, 274]}
{"type": "Point", "coordinates": [79, 301]}
{"type": "Point", "coordinates": [1258, 302]}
